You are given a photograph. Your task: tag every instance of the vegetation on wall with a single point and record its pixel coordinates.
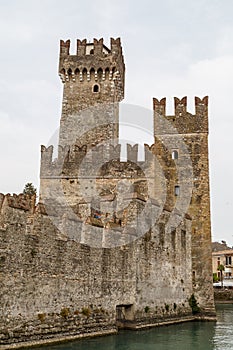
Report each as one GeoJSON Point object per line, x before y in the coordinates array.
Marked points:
{"type": "Point", "coordinates": [194, 305]}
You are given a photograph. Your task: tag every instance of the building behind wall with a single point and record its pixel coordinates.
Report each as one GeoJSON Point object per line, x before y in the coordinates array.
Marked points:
{"type": "Point", "coordinates": [225, 258]}
{"type": "Point", "coordinates": [110, 243]}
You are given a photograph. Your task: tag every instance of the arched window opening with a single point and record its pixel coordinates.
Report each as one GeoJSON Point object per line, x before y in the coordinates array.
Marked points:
{"type": "Point", "coordinates": [77, 71]}
{"type": "Point", "coordinates": [63, 71]}
{"type": "Point", "coordinates": [69, 72]}
{"type": "Point", "coordinates": [96, 88]}
{"type": "Point", "coordinates": [84, 74]}
{"type": "Point", "coordinates": [113, 70]}
{"type": "Point", "coordinates": [175, 154]}
{"type": "Point", "coordinates": [92, 73]}
{"type": "Point", "coordinates": [177, 190]}
{"type": "Point", "coordinates": [107, 73]}
{"type": "Point", "coordinates": [100, 73]}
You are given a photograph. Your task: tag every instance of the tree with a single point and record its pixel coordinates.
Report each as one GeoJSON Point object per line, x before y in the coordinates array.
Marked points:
{"type": "Point", "coordinates": [215, 277]}
{"type": "Point", "coordinates": [221, 268]}
{"type": "Point", "coordinates": [29, 189]}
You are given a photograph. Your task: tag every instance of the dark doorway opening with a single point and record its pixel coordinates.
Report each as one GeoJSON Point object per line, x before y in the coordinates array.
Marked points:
{"type": "Point", "coordinates": [125, 316]}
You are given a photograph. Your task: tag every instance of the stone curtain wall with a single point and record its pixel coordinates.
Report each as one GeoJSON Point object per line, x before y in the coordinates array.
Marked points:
{"type": "Point", "coordinates": [110, 243]}
{"type": "Point", "coordinates": [53, 286]}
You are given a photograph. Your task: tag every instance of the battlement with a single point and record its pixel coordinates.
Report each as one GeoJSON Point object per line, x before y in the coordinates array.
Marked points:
{"type": "Point", "coordinates": [201, 105]}
{"type": "Point", "coordinates": [91, 59]}
{"type": "Point", "coordinates": [21, 201]}
{"type": "Point", "coordinates": [70, 158]}
{"type": "Point", "coordinates": [97, 47]}
{"type": "Point", "coordinates": [182, 121]}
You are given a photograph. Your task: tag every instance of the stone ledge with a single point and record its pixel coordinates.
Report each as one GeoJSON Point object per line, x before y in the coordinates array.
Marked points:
{"type": "Point", "coordinates": [171, 322]}
{"type": "Point", "coordinates": [61, 339]}
{"type": "Point", "coordinates": [162, 323]}
{"type": "Point", "coordinates": [56, 340]}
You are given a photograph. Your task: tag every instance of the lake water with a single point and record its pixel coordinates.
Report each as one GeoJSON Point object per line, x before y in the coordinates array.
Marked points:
{"type": "Point", "coordinates": [184, 336]}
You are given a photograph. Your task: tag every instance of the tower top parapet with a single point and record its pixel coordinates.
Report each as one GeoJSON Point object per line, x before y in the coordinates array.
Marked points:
{"type": "Point", "coordinates": [97, 47]}
{"type": "Point", "coordinates": [94, 54]}
{"type": "Point", "coordinates": [93, 62]}
{"type": "Point", "coordinates": [182, 121]}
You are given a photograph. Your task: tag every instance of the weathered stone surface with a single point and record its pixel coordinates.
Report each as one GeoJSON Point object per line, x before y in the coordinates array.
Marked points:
{"type": "Point", "coordinates": [110, 243]}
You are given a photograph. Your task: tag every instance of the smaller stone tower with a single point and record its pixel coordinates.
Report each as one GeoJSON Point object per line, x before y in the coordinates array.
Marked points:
{"type": "Point", "coordinates": [93, 86]}
{"type": "Point", "coordinates": [186, 136]}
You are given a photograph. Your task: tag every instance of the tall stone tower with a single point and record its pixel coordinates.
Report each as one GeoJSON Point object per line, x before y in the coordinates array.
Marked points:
{"type": "Point", "coordinates": [186, 138]}
{"type": "Point", "coordinates": [93, 86]}
{"type": "Point", "coordinates": [93, 81]}
{"type": "Point", "coordinates": [110, 243]}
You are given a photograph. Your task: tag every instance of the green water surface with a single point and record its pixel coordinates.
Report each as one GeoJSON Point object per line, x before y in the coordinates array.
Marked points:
{"type": "Point", "coordinates": [184, 336]}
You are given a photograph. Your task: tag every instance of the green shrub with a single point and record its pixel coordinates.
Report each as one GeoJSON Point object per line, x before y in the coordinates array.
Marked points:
{"type": "Point", "coordinates": [194, 305]}
{"type": "Point", "coordinates": [215, 277]}
{"type": "Point", "coordinates": [65, 312]}
{"type": "Point", "coordinates": [147, 309]}
{"type": "Point", "coordinates": [41, 317]}
{"type": "Point", "coordinates": [86, 311]}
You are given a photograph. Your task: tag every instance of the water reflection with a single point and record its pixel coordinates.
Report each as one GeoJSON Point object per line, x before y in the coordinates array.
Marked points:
{"type": "Point", "coordinates": [223, 338]}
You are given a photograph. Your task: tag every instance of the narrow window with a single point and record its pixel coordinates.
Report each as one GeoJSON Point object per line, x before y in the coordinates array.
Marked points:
{"type": "Point", "coordinates": [194, 276]}
{"type": "Point", "coordinates": [161, 234]}
{"type": "Point", "coordinates": [96, 88]}
{"type": "Point", "coordinates": [183, 239]}
{"type": "Point", "coordinates": [174, 154]}
{"type": "Point", "coordinates": [177, 190]}
{"type": "Point", "coordinates": [173, 238]}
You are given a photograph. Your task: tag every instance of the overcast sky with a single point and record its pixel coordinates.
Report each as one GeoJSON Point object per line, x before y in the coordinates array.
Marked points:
{"type": "Point", "coordinates": [171, 48]}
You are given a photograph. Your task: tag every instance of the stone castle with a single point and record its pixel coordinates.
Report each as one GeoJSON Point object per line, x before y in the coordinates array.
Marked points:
{"type": "Point", "coordinates": [110, 243]}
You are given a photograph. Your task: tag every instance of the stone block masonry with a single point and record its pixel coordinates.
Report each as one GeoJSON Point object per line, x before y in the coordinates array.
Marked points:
{"type": "Point", "coordinates": [110, 244]}
{"type": "Point", "coordinates": [54, 287]}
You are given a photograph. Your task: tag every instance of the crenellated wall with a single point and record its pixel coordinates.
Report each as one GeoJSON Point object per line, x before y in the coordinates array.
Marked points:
{"type": "Point", "coordinates": [72, 157]}
{"type": "Point", "coordinates": [54, 287]}
{"type": "Point", "coordinates": [109, 244]}
{"type": "Point", "coordinates": [93, 87]}
{"type": "Point", "coordinates": [182, 122]}
{"type": "Point", "coordinates": [94, 60]}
